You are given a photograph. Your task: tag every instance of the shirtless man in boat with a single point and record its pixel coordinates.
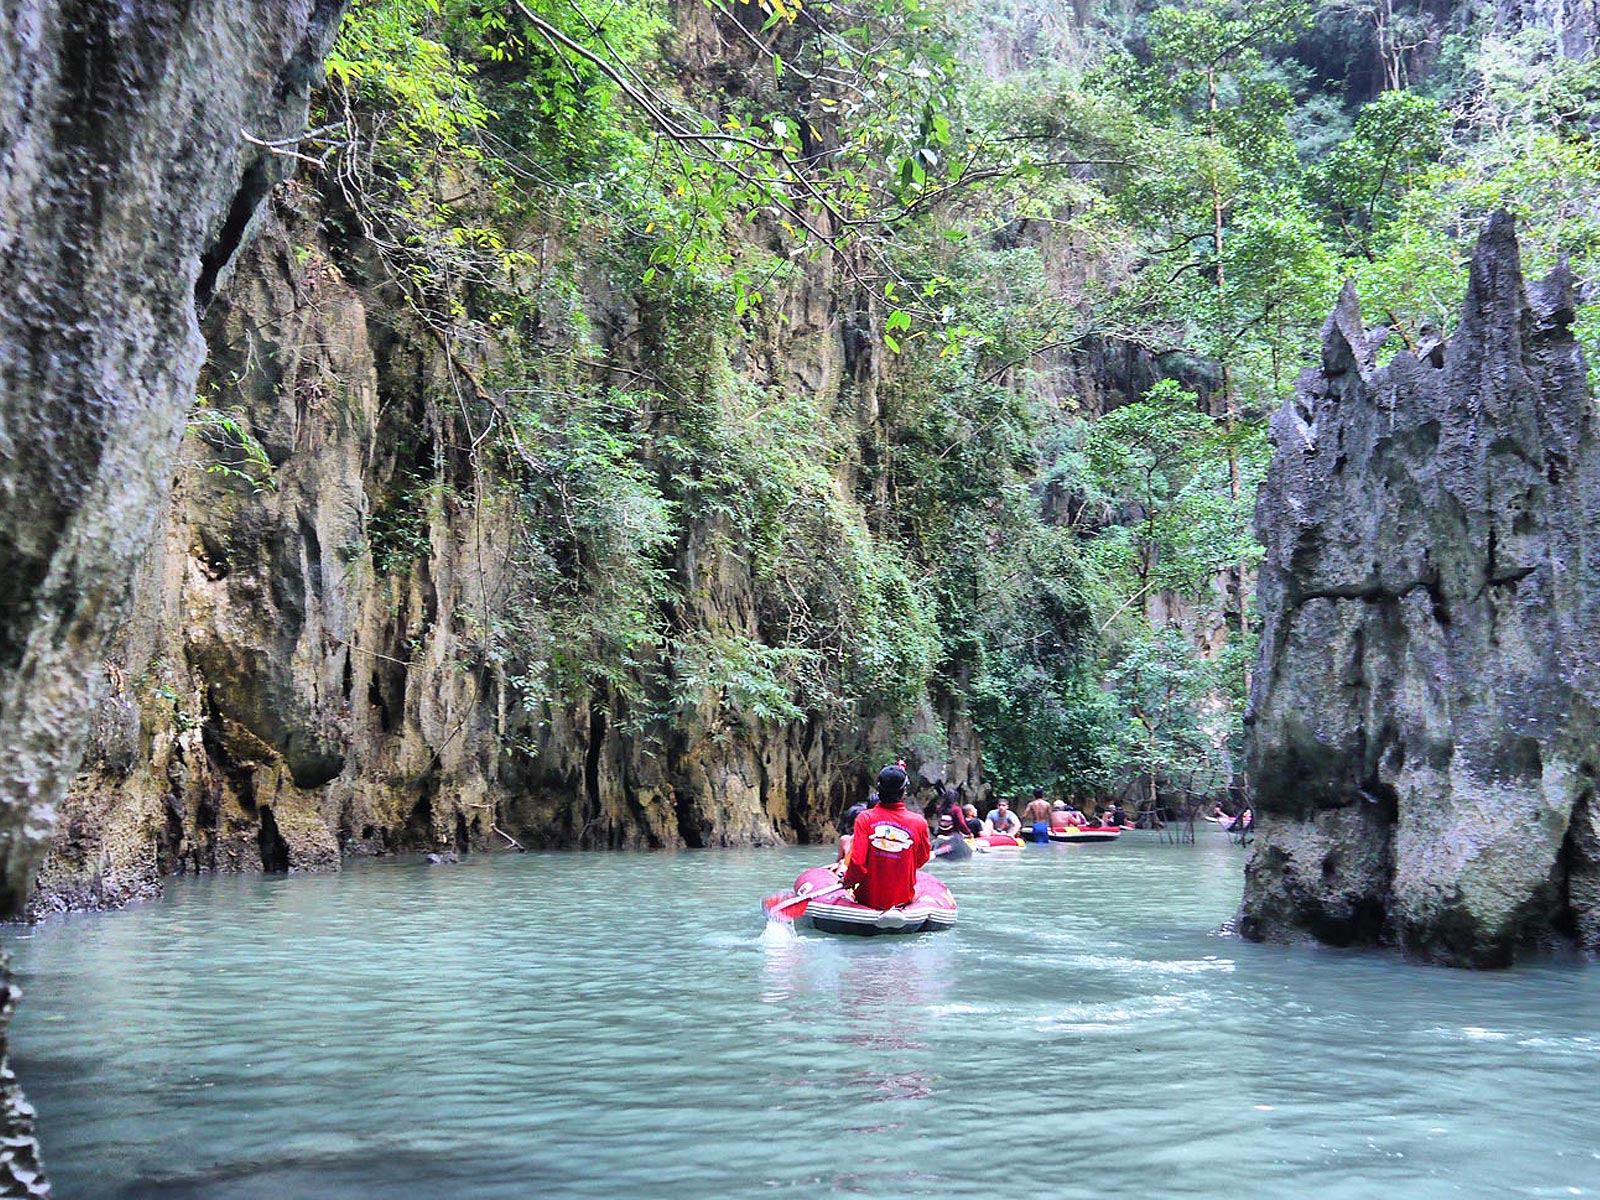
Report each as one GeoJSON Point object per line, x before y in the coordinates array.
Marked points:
{"type": "Point", "coordinates": [887, 847]}
{"type": "Point", "coordinates": [1036, 816]}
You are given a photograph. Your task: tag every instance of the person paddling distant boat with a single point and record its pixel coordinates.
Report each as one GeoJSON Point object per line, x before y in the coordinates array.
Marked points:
{"type": "Point", "coordinates": [888, 844]}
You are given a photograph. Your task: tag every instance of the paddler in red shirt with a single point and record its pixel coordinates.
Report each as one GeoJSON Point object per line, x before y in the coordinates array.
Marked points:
{"type": "Point", "coordinates": [888, 844]}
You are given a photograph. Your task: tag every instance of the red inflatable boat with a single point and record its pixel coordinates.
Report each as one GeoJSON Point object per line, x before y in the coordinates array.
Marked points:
{"type": "Point", "coordinates": [1086, 833]}
{"type": "Point", "coordinates": [932, 907]}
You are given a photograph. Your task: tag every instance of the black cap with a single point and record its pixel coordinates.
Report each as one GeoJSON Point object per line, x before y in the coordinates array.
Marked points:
{"type": "Point", "coordinates": [891, 784]}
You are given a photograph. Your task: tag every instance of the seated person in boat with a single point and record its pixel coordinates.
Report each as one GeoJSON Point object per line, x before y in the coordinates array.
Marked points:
{"type": "Point", "coordinates": [953, 830]}
{"type": "Point", "coordinates": [1002, 819]}
{"type": "Point", "coordinates": [973, 824]}
{"type": "Point", "coordinates": [952, 820]}
{"type": "Point", "coordinates": [1036, 816]}
{"type": "Point", "coordinates": [1059, 819]}
{"type": "Point", "coordinates": [888, 845]}
{"type": "Point", "coordinates": [845, 838]}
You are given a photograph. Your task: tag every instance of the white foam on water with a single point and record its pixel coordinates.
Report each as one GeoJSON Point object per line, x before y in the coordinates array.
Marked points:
{"type": "Point", "coordinates": [1578, 1046]}
{"type": "Point", "coordinates": [955, 1010]}
{"type": "Point", "coordinates": [779, 933]}
{"type": "Point", "coordinates": [1114, 1014]}
{"type": "Point", "coordinates": [730, 940]}
{"type": "Point", "coordinates": [1061, 937]}
{"type": "Point", "coordinates": [1153, 966]}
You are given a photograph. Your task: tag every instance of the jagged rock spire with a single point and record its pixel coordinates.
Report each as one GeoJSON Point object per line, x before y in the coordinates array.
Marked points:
{"type": "Point", "coordinates": [1422, 730]}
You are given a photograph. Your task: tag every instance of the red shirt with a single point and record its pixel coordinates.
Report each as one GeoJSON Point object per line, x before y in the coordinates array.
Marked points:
{"type": "Point", "coordinates": [888, 844]}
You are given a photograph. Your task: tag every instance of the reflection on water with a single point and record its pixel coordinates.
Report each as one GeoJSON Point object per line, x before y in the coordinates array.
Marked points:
{"type": "Point", "coordinates": [604, 1026]}
{"type": "Point", "coordinates": [856, 994]}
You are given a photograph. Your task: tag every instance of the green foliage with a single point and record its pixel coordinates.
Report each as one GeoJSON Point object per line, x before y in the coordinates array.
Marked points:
{"type": "Point", "coordinates": [388, 53]}
{"type": "Point", "coordinates": [626, 245]}
{"type": "Point", "coordinates": [399, 531]}
{"type": "Point", "coordinates": [1518, 140]}
{"type": "Point", "coordinates": [825, 584]}
{"type": "Point", "coordinates": [1362, 182]}
{"type": "Point", "coordinates": [1043, 719]}
{"type": "Point", "coordinates": [742, 675]}
{"type": "Point", "coordinates": [1156, 454]}
{"type": "Point", "coordinates": [1161, 691]}
{"type": "Point", "coordinates": [233, 452]}
{"type": "Point", "coordinates": [1179, 528]}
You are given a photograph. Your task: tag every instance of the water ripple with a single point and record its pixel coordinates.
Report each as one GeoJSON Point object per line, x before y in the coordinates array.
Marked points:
{"type": "Point", "coordinates": [571, 1026]}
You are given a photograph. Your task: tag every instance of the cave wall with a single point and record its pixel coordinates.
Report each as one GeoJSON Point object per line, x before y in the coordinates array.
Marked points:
{"type": "Point", "coordinates": [125, 190]}
{"type": "Point", "coordinates": [1422, 729]}
{"type": "Point", "coordinates": [286, 693]}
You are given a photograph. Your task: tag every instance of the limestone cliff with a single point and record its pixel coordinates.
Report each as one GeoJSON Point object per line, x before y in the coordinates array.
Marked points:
{"type": "Point", "coordinates": [131, 164]}
{"type": "Point", "coordinates": [1423, 737]}
{"type": "Point", "coordinates": [308, 672]}
{"type": "Point", "coordinates": [1573, 25]}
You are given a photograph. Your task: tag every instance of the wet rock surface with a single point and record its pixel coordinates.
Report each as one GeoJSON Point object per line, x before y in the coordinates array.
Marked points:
{"type": "Point", "coordinates": [1422, 732]}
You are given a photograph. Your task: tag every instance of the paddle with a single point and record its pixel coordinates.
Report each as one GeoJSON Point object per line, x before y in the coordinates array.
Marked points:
{"type": "Point", "coordinates": [779, 909]}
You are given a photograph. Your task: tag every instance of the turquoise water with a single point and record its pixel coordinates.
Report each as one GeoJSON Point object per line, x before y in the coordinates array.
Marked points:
{"type": "Point", "coordinates": [625, 1025]}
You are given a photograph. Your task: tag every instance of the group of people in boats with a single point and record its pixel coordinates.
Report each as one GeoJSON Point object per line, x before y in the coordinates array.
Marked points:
{"type": "Point", "coordinates": [1039, 817]}
{"type": "Point", "coordinates": [885, 842]}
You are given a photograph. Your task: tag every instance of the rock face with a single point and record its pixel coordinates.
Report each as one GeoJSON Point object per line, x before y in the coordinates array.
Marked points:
{"type": "Point", "coordinates": [303, 675]}
{"type": "Point", "coordinates": [1423, 738]}
{"type": "Point", "coordinates": [125, 189]}
{"type": "Point", "coordinates": [1573, 25]}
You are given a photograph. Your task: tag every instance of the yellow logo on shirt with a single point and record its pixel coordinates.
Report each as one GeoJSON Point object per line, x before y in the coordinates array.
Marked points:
{"type": "Point", "coordinates": [891, 839]}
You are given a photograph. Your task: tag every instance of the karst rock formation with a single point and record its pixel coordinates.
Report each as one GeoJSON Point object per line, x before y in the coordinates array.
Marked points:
{"type": "Point", "coordinates": [1422, 729]}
